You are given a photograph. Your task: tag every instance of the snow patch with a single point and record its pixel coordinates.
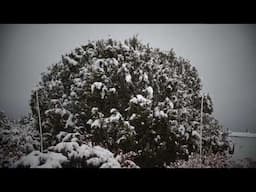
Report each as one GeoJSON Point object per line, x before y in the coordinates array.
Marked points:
{"type": "Point", "coordinates": [70, 61]}
{"type": "Point", "coordinates": [96, 124]}
{"type": "Point", "coordinates": [159, 113]}
{"type": "Point", "coordinates": [140, 100]}
{"type": "Point", "coordinates": [37, 159]}
{"type": "Point", "coordinates": [196, 134]}
{"type": "Point", "coordinates": [149, 92]}
{"type": "Point", "coordinates": [100, 87]}
{"type": "Point", "coordinates": [128, 78]}
{"type": "Point", "coordinates": [112, 90]}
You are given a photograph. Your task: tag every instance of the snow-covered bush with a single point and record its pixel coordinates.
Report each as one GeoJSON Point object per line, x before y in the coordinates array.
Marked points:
{"type": "Point", "coordinates": [81, 155]}
{"type": "Point", "coordinates": [128, 96]}
{"type": "Point", "coordinates": [17, 138]}
{"type": "Point", "coordinates": [86, 156]}
{"type": "Point", "coordinates": [69, 154]}
{"type": "Point", "coordinates": [36, 159]}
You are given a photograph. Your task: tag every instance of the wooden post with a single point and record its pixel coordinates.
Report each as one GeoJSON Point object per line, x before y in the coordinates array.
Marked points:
{"type": "Point", "coordinates": [40, 126]}
{"type": "Point", "coordinates": [201, 132]}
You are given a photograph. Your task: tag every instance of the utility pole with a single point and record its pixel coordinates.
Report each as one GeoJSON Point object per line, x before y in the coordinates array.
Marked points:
{"type": "Point", "coordinates": [40, 126]}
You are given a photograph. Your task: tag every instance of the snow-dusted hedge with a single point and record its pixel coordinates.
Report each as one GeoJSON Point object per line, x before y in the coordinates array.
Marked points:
{"type": "Point", "coordinates": [36, 159]}
{"type": "Point", "coordinates": [84, 156]}
{"type": "Point", "coordinates": [128, 96]}
{"type": "Point", "coordinates": [69, 154]}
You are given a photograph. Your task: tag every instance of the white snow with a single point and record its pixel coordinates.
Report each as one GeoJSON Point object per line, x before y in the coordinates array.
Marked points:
{"type": "Point", "coordinates": [84, 151]}
{"type": "Point", "coordinates": [120, 139]}
{"type": "Point", "coordinates": [53, 160]}
{"type": "Point", "coordinates": [157, 138]}
{"type": "Point", "coordinates": [196, 134]}
{"type": "Point", "coordinates": [103, 92]}
{"type": "Point", "coordinates": [242, 134]}
{"type": "Point", "coordinates": [89, 122]}
{"type": "Point", "coordinates": [83, 71]}
{"type": "Point", "coordinates": [112, 90]}
{"type": "Point", "coordinates": [37, 159]}
{"type": "Point", "coordinates": [93, 156]}
{"type": "Point", "coordinates": [94, 110]}
{"type": "Point", "coordinates": [65, 147]}
{"type": "Point", "coordinates": [65, 103]}
{"type": "Point", "coordinates": [95, 162]}
{"type": "Point", "coordinates": [125, 47]}
{"type": "Point", "coordinates": [101, 152]}
{"type": "Point", "coordinates": [91, 52]}
{"type": "Point", "coordinates": [100, 157]}
{"type": "Point", "coordinates": [115, 62]}
{"type": "Point", "coordinates": [58, 111]}
{"type": "Point", "coordinates": [113, 110]}
{"type": "Point", "coordinates": [98, 65]}
{"type": "Point", "coordinates": [96, 85]}
{"type": "Point", "coordinates": [96, 124]}
{"type": "Point", "coordinates": [61, 135]}
{"type": "Point", "coordinates": [73, 94]}
{"type": "Point", "coordinates": [78, 82]}
{"type": "Point", "coordinates": [140, 100]}
{"type": "Point", "coordinates": [133, 116]}
{"type": "Point", "coordinates": [99, 86]}
{"type": "Point", "coordinates": [54, 110]}
{"type": "Point", "coordinates": [115, 116]}
{"type": "Point", "coordinates": [181, 129]}
{"type": "Point", "coordinates": [169, 102]}
{"type": "Point", "coordinates": [145, 77]}
{"type": "Point", "coordinates": [128, 78]}
{"type": "Point", "coordinates": [149, 91]}
{"type": "Point", "coordinates": [31, 160]}
{"type": "Point", "coordinates": [53, 83]}
{"type": "Point", "coordinates": [111, 164]}
{"type": "Point", "coordinates": [109, 47]}
{"type": "Point", "coordinates": [54, 101]}
{"type": "Point", "coordinates": [137, 53]}
{"type": "Point", "coordinates": [159, 113]}
{"type": "Point", "coordinates": [67, 137]}
{"type": "Point", "coordinates": [134, 100]}
{"type": "Point", "coordinates": [77, 55]}
{"type": "Point", "coordinates": [70, 61]}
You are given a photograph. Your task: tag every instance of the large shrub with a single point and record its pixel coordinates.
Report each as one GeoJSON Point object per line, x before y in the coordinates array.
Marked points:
{"type": "Point", "coordinates": [130, 97]}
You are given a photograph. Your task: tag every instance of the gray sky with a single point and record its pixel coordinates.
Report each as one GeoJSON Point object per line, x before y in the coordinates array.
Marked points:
{"type": "Point", "coordinates": [223, 54]}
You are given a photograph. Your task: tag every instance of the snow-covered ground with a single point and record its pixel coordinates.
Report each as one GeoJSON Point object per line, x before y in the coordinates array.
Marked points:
{"type": "Point", "coordinates": [245, 145]}
{"type": "Point", "coordinates": [242, 134]}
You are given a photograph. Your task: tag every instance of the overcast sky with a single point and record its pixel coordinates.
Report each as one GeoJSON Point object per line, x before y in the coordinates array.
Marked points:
{"type": "Point", "coordinates": [223, 54]}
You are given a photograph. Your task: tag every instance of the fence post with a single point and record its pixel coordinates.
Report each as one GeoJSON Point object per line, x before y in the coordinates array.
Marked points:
{"type": "Point", "coordinates": [201, 132]}
{"type": "Point", "coordinates": [40, 126]}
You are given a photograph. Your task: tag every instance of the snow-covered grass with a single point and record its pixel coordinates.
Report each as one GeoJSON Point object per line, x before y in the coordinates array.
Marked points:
{"type": "Point", "coordinates": [242, 134]}
{"type": "Point", "coordinates": [207, 161]}
{"type": "Point", "coordinates": [244, 148]}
